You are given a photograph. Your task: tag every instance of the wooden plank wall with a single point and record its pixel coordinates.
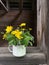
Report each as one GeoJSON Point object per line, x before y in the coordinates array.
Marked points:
{"type": "Point", "coordinates": [41, 21]}
{"type": "Point", "coordinates": [47, 31]}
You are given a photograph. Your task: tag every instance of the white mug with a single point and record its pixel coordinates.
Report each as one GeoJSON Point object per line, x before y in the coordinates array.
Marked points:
{"type": "Point", "coordinates": [18, 51]}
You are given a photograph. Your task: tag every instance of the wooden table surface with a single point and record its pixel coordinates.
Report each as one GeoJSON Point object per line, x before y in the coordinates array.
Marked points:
{"type": "Point", "coordinates": [34, 56]}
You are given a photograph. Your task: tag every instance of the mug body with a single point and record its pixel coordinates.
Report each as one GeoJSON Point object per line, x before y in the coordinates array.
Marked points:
{"type": "Point", "coordinates": [19, 50]}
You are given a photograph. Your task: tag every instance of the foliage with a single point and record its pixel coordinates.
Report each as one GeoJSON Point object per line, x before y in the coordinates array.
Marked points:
{"type": "Point", "coordinates": [19, 36]}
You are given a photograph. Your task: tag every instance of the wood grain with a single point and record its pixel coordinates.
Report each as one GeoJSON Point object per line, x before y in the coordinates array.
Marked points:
{"type": "Point", "coordinates": [32, 57]}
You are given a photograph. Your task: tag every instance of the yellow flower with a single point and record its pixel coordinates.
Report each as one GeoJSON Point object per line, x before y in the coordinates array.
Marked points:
{"type": "Point", "coordinates": [23, 29]}
{"type": "Point", "coordinates": [18, 34]}
{"type": "Point", "coordinates": [4, 36]}
{"type": "Point", "coordinates": [13, 32]}
{"type": "Point", "coordinates": [22, 24]}
{"type": "Point", "coordinates": [9, 29]}
{"type": "Point", "coordinates": [30, 28]}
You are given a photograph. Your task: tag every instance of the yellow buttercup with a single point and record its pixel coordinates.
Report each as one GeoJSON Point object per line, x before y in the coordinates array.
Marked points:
{"type": "Point", "coordinates": [30, 28]}
{"type": "Point", "coordinates": [9, 29]}
{"type": "Point", "coordinates": [18, 34]}
{"type": "Point", "coordinates": [22, 24]}
{"type": "Point", "coordinates": [4, 36]}
{"type": "Point", "coordinates": [13, 32]}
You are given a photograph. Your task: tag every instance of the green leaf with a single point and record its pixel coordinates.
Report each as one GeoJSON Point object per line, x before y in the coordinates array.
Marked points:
{"type": "Point", "coordinates": [11, 42]}
{"type": "Point", "coordinates": [14, 42]}
{"type": "Point", "coordinates": [10, 37]}
{"type": "Point", "coordinates": [27, 33]}
{"type": "Point", "coordinates": [31, 43]}
{"type": "Point", "coordinates": [26, 40]}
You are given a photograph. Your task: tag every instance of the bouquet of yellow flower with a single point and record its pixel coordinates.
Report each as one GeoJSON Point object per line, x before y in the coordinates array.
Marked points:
{"type": "Point", "coordinates": [18, 36]}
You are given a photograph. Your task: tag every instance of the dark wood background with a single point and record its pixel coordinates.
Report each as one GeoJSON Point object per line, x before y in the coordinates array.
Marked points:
{"type": "Point", "coordinates": [28, 15]}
